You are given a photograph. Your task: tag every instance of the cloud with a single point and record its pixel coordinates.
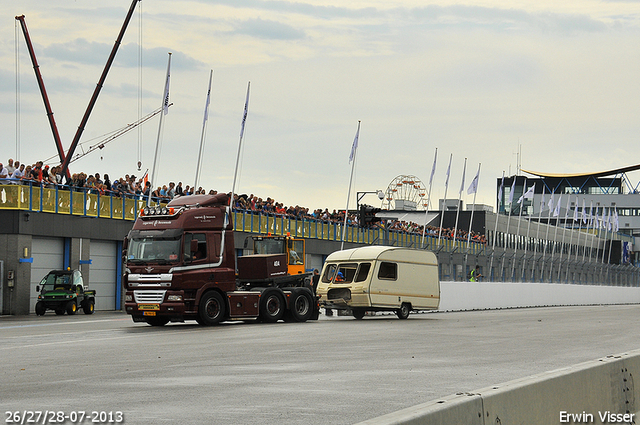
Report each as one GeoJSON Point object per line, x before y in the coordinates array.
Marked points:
{"type": "Point", "coordinates": [83, 52]}
{"type": "Point", "coordinates": [268, 29]}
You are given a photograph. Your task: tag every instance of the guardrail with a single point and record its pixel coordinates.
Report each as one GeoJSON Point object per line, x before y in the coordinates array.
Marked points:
{"type": "Point", "coordinates": [84, 202]}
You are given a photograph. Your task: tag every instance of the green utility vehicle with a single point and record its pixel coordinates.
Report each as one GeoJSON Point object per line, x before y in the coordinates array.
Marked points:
{"type": "Point", "coordinates": [64, 290]}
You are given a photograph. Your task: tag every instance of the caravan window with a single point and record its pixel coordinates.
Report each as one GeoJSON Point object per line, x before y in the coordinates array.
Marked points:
{"type": "Point", "coordinates": [342, 273]}
{"type": "Point", "coordinates": [329, 272]}
{"type": "Point", "coordinates": [388, 271]}
{"type": "Point", "coordinates": [363, 272]}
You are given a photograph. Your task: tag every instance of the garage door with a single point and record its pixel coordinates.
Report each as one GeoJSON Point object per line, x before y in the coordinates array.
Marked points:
{"type": "Point", "coordinates": [48, 254]}
{"type": "Point", "coordinates": [102, 276]}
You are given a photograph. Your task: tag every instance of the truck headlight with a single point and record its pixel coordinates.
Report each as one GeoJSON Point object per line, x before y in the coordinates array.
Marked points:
{"type": "Point", "coordinates": [174, 298]}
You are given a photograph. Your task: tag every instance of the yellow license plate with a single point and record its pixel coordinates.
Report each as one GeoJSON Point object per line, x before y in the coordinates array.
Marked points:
{"type": "Point", "coordinates": [148, 313]}
{"type": "Point", "coordinates": [149, 307]}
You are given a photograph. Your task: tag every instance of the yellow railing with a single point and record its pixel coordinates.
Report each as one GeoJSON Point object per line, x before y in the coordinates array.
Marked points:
{"type": "Point", "coordinates": [85, 203]}
{"type": "Point", "coordinates": [62, 201]}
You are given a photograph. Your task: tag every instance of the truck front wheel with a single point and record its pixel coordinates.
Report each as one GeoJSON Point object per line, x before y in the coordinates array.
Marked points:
{"type": "Point", "coordinates": [71, 308]}
{"type": "Point", "coordinates": [272, 306]}
{"type": "Point", "coordinates": [40, 308]}
{"type": "Point", "coordinates": [211, 309]}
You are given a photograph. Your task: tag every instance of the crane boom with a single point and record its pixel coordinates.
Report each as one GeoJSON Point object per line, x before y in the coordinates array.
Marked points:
{"type": "Point", "coordinates": [43, 90]}
{"type": "Point", "coordinates": [96, 92]}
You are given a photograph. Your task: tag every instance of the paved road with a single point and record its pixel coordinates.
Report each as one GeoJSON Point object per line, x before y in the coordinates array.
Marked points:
{"type": "Point", "coordinates": [333, 371]}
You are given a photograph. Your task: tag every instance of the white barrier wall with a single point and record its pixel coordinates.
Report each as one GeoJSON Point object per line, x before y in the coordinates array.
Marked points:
{"type": "Point", "coordinates": [456, 296]}
{"type": "Point", "coordinates": [596, 392]}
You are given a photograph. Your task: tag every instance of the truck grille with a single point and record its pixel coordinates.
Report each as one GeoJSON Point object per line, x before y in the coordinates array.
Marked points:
{"type": "Point", "coordinates": [149, 297]}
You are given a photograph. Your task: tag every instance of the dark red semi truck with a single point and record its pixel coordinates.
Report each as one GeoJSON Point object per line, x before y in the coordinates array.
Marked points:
{"type": "Point", "coordinates": [181, 265]}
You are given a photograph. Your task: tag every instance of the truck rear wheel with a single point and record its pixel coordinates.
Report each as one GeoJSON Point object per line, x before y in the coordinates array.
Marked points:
{"type": "Point", "coordinates": [301, 305]}
{"type": "Point", "coordinates": [40, 308]}
{"type": "Point", "coordinates": [403, 311]}
{"type": "Point", "coordinates": [71, 308]}
{"type": "Point", "coordinates": [211, 310]}
{"type": "Point", "coordinates": [272, 306]}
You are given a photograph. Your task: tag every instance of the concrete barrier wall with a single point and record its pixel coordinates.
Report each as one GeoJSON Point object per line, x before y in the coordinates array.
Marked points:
{"type": "Point", "coordinates": [602, 391]}
{"type": "Point", "coordinates": [455, 296]}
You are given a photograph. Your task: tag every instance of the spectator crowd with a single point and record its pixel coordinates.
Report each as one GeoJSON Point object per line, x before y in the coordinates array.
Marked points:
{"type": "Point", "coordinates": [138, 188]}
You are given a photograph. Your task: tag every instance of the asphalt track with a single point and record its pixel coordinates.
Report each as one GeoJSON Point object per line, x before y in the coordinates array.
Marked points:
{"type": "Point", "coordinates": [336, 370]}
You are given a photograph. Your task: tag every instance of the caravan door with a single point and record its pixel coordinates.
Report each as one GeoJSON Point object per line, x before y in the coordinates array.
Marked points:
{"type": "Point", "coordinates": [383, 291]}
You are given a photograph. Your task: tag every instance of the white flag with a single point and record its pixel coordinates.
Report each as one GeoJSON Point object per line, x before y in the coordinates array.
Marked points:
{"type": "Point", "coordinates": [500, 191]}
{"type": "Point", "coordinates": [165, 102]}
{"type": "Point", "coordinates": [550, 204]}
{"type": "Point", "coordinates": [354, 146]}
{"type": "Point", "coordinates": [584, 212]}
{"type": "Point", "coordinates": [590, 218]}
{"type": "Point", "coordinates": [556, 212]}
{"type": "Point", "coordinates": [206, 106]}
{"type": "Point", "coordinates": [528, 194]}
{"type": "Point", "coordinates": [513, 190]}
{"type": "Point", "coordinates": [616, 223]}
{"type": "Point", "coordinates": [473, 187]}
{"type": "Point", "coordinates": [464, 170]}
{"type": "Point", "coordinates": [433, 168]}
{"type": "Point", "coordinates": [446, 183]}
{"type": "Point", "coordinates": [575, 211]}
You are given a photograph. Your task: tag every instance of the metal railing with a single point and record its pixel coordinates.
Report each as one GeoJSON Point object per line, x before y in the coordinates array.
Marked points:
{"type": "Point", "coordinates": [85, 202]}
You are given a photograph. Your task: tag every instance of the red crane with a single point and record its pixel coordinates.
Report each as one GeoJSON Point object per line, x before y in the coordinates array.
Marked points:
{"type": "Point", "coordinates": [65, 159]}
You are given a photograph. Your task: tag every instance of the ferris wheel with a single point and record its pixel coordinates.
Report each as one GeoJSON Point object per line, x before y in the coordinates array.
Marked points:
{"type": "Point", "coordinates": [405, 193]}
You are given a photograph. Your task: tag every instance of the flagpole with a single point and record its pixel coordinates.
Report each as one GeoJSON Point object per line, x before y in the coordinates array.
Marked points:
{"type": "Point", "coordinates": [455, 229]}
{"type": "Point", "coordinates": [513, 189]}
{"type": "Point", "coordinates": [165, 107]}
{"type": "Point", "coordinates": [426, 210]}
{"type": "Point", "coordinates": [444, 201]}
{"type": "Point", "coordinates": [556, 213]}
{"type": "Point", "coordinates": [515, 251]}
{"type": "Point", "coordinates": [546, 237]}
{"type": "Point", "coordinates": [352, 159]}
{"type": "Point", "coordinates": [526, 241]}
{"type": "Point", "coordinates": [235, 173]}
{"type": "Point", "coordinates": [204, 125]}
{"type": "Point", "coordinates": [589, 222]}
{"type": "Point", "coordinates": [535, 245]}
{"type": "Point", "coordinates": [495, 230]}
{"type": "Point", "coordinates": [476, 179]}
{"type": "Point", "coordinates": [564, 232]}
{"type": "Point", "coordinates": [575, 216]}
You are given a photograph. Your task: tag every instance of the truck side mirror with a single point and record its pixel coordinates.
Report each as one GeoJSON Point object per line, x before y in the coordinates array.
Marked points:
{"type": "Point", "coordinates": [37, 288]}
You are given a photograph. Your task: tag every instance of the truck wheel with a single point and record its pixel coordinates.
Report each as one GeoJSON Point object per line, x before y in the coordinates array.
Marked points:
{"type": "Point", "coordinates": [403, 311]}
{"type": "Point", "coordinates": [71, 308]}
{"type": "Point", "coordinates": [156, 321]}
{"type": "Point", "coordinates": [301, 306]}
{"type": "Point", "coordinates": [211, 310]}
{"type": "Point", "coordinates": [272, 306]}
{"type": "Point", "coordinates": [59, 311]}
{"type": "Point", "coordinates": [88, 306]}
{"type": "Point", "coordinates": [358, 313]}
{"type": "Point", "coordinates": [40, 308]}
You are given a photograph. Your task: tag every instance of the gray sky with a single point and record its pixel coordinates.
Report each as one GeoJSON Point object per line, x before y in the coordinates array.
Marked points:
{"type": "Point", "coordinates": [474, 79]}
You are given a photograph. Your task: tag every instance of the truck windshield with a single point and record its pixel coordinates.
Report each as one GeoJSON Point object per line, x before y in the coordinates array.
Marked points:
{"type": "Point", "coordinates": [268, 246]}
{"type": "Point", "coordinates": [160, 248]}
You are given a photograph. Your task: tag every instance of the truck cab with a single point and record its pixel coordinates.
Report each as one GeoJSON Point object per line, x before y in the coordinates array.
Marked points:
{"type": "Point", "coordinates": [181, 265]}
{"type": "Point", "coordinates": [293, 248]}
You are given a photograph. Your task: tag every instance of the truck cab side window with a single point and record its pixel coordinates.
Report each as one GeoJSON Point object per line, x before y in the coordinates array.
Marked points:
{"type": "Point", "coordinates": [388, 271]}
{"type": "Point", "coordinates": [199, 251]}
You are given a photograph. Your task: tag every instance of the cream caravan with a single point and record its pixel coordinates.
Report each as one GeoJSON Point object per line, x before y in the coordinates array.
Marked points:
{"type": "Point", "coordinates": [380, 278]}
